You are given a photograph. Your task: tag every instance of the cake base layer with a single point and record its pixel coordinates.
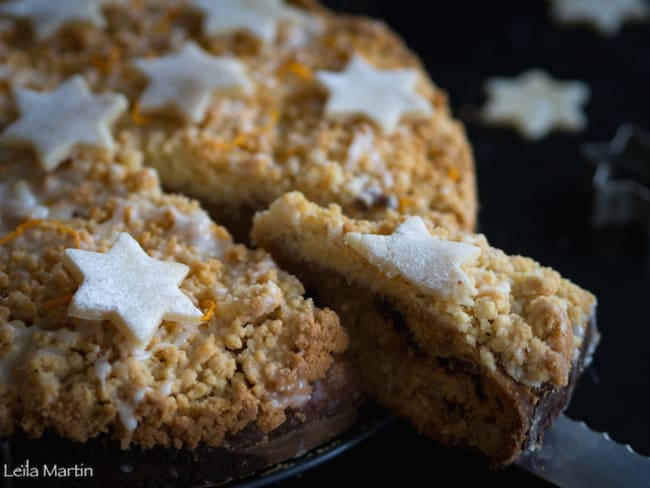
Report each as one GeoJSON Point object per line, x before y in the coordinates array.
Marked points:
{"type": "Point", "coordinates": [333, 409]}
{"type": "Point", "coordinates": [454, 402]}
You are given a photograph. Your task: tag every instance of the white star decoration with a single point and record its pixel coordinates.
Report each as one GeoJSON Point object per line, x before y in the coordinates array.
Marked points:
{"type": "Point", "coordinates": [57, 122]}
{"type": "Point", "coordinates": [47, 17]}
{"type": "Point", "coordinates": [185, 81]}
{"type": "Point", "coordinates": [129, 288]}
{"type": "Point", "coordinates": [608, 16]}
{"type": "Point", "coordinates": [421, 259]}
{"type": "Point", "coordinates": [384, 96]}
{"type": "Point", "coordinates": [260, 18]}
{"type": "Point", "coordinates": [535, 104]}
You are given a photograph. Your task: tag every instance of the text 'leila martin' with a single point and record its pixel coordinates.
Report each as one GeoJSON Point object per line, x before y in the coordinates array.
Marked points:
{"type": "Point", "coordinates": [28, 470]}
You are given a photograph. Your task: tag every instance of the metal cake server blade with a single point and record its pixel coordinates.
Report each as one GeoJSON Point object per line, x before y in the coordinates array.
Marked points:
{"type": "Point", "coordinates": [573, 455]}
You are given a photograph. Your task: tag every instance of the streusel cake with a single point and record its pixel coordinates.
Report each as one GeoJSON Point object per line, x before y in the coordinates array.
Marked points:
{"type": "Point", "coordinates": [476, 348]}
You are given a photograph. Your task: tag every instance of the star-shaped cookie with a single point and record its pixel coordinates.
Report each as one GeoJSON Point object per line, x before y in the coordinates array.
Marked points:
{"type": "Point", "coordinates": [185, 81]}
{"type": "Point", "coordinates": [383, 96]}
{"type": "Point", "coordinates": [535, 104]}
{"type": "Point", "coordinates": [607, 16]}
{"type": "Point", "coordinates": [129, 288]}
{"type": "Point", "coordinates": [621, 179]}
{"type": "Point", "coordinates": [411, 252]}
{"type": "Point", "coordinates": [47, 17]}
{"type": "Point", "coordinates": [260, 18]}
{"type": "Point", "coordinates": [57, 122]}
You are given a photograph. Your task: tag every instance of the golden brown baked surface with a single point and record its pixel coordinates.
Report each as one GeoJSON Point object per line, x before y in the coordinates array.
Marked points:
{"type": "Point", "coordinates": [259, 347]}
{"type": "Point", "coordinates": [251, 148]}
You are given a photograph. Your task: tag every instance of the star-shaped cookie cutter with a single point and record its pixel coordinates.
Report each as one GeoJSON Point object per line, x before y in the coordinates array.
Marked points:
{"type": "Point", "coordinates": [621, 178]}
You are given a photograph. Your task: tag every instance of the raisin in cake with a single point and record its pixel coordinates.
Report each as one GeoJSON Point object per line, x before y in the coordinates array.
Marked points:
{"type": "Point", "coordinates": [134, 332]}
{"type": "Point", "coordinates": [476, 348]}
{"type": "Point", "coordinates": [237, 105]}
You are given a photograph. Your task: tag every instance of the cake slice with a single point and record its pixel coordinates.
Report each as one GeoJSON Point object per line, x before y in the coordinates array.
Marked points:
{"type": "Point", "coordinates": [475, 348]}
{"type": "Point", "coordinates": [198, 350]}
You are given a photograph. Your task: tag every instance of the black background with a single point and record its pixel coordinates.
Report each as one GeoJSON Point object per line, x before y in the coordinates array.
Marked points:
{"type": "Point", "coordinates": [533, 202]}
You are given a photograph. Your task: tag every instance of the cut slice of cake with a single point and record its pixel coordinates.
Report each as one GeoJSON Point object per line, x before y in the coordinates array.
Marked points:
{"type": "Point", "coordinates": [131, 322]}
{"type": "Point", "coordinates": [476, 348]}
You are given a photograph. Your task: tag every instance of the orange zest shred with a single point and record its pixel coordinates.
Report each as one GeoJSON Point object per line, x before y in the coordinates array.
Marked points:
{"type": "Point", "coordinates": [242, 138]}
{"type": "Point", "coordinates": [298, 69]}
{"type": "Point", "coordinates": [103, 62]}
{"type": "Point", "coordinates": [56, 302]}
{"type": "Point", "coordinates": [33, 223]}
{"type": "Point", "coordinates": [208, 307]}
{"type": "Point", "coordinates": [404, 202]}
{"type": "Point", "coordinates": [453, 173]}
{"type": "Point", "coordinates": [237, 141]}
{"type": "Point", "coordinates": [137, 116]}
{"type": "Point", "coordinates": [165, 23]}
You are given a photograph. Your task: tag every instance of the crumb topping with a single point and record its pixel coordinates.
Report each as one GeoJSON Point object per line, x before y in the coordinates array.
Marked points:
{"type": "Point", "coordinates": [258, 347]}
{"type": "Point", "coordinates": [524, 319]}
{"type": "Point", "coordinates": [252, 147]}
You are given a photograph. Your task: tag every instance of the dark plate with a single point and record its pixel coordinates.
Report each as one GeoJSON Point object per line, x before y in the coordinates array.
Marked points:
{"type": "Point", "coordinates": [163, 468]}
{"type": "Point", "coordinates": [371, 420]}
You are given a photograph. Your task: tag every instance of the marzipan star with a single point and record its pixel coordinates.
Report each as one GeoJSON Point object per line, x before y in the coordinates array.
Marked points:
{"type": "Point", "coordinates": [411, 252]}
{"type": "Point", "coordinates": [185, 81]}
{"type": "Point", "coordinates": [535, 104]}
{"type": "Point", "coordinates": [260, 18]}
{"type": "Point", "coordinates": [131, 289]}
{"type": "Point", "coordinates": [47, 17]}
{"type": "Point", "coordinates": [57, 122]}
{"type": "Point", "coordinates": [383, 96]}
{"type": "Point", "coordinates": [607, 16]}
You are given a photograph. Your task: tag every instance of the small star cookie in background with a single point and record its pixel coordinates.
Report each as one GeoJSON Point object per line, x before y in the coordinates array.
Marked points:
{"type": "Point", "coordinates": [47, 17]}
{"type": "Point", "coordinates": [536, 104]}
{"type": "Point", "coordinates": [260, 18]}
{"type": "Point", "coordinates": [621, 178]}
{"type": "Point", "coordinates": [56, 123]}
{"type": "Point", "coordinates": [607, 16]}
{"type": "Point", "coordinates": [383, 96]}
{"type": "Point", "coordinates": [411, 251]}
{"type": "Point", "coordinates": [131, 289]}
{"type": "Point", "coordinates": [185, 81]}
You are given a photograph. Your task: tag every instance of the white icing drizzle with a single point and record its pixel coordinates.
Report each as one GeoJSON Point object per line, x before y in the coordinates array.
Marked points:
{"type": "Point", "coordinates": [145, 354]}
{"type": "Point", "coordinates": [125, 408]}
{"type": "Point", "coordinates": [102, 370]}
{"type": "Point", "coordinates": [502, 288]}
{"type": "Point", "coordinates": [126, 412]}
{"type": "Point", "coordinates": [362, 146]}
{"type": "Point", "coordinates": [22, 343]}
{"type": "Point", "coordinates": [294, 395]}
{"type": "Point", "coordinates": [198, 230]}
{"type": "Point", "coordinates": [23, 348]}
